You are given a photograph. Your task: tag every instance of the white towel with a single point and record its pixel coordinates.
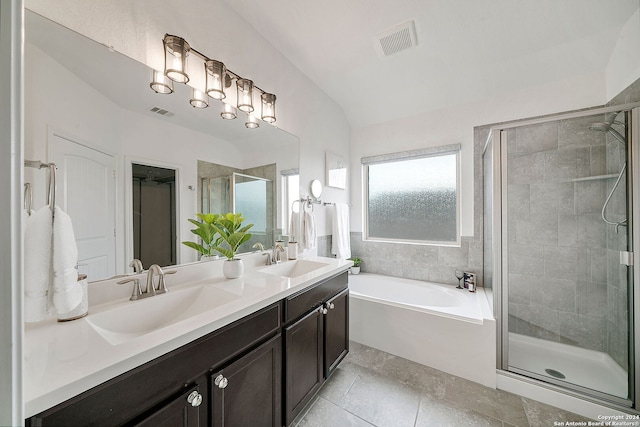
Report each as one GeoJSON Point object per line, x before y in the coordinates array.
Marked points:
{"type": "Point", "coordinates": [67, 291]}
{"type": "Point", "coordinates": [294, 226]}
{"type": "Point", "coordinates": [37, 264]}
{"type": "Point", "coordinates": [340, 240]}
{"type": "Point", "coordinates": [51, 254]}
{"type": "Point", "coordinates": [308, 231]}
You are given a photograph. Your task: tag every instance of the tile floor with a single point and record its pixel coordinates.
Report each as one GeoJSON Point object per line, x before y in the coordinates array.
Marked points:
{"type": "Point", "coordinates": [374, 388]}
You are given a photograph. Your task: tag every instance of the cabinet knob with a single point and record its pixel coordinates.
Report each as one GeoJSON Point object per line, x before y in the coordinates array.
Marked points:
{"type": "Point", "coordinates": [330, 305]}
{"type": "Point", "coordinates": [194, 398]}
{"type": "Point", "coordinates": [322, 310]}
{"type": "Point", "coordinates": [221, 381]}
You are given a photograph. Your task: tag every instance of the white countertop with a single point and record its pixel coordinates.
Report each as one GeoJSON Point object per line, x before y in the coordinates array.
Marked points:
{"type": "Point", "coordinates": [64, 359]}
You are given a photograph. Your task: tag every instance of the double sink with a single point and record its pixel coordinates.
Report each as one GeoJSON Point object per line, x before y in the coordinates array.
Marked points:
{"type": "Point", "coordinates": [128, 320]}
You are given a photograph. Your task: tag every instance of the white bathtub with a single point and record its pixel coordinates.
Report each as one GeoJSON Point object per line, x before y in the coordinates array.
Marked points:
{"type": "Point", "coordinates": [437, 325]}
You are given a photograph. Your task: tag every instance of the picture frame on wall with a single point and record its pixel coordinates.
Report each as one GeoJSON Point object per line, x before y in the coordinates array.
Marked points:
{"type": "Point", "coordinates": [336, 169]}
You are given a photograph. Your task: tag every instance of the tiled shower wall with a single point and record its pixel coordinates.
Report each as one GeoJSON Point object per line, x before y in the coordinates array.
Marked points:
{"type": "Point", "coordinates": [563, 269]}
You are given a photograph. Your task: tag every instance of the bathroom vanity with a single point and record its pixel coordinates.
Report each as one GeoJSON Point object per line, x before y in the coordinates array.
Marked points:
{"type": "Point", "coordinates": [257, 357]}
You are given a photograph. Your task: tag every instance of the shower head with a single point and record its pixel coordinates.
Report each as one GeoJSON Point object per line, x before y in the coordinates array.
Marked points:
{"type": "Point", "coordinates": [606, 127]}
{"type": "Point", "coordinates": [600, 126]}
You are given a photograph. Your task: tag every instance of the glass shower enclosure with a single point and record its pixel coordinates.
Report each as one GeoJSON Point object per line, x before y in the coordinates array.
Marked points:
{"type": "Point", "coordinates": [250, 195]}
{"type": "Point", "coordinates": [558, 237]}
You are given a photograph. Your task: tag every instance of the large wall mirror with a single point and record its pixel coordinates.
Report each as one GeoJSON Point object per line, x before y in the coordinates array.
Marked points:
{"type": "Point", "coordinates": [90, 110]}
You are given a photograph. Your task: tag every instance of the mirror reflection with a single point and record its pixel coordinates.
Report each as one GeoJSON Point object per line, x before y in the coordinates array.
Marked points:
{"type": "Point", "coordinates": [90, 110]}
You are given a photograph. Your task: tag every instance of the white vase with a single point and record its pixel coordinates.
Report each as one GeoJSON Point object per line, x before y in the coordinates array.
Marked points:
{"type": "Point", "coordinates": [206, 258]}
{"type": "Point", "coordinates": [233, 268]}
{"type": "Point", "coordinates": [355, 270]}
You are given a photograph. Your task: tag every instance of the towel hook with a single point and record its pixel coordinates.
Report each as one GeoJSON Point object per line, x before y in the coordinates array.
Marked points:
{"type": "Point", "coordinates": [51, 197]}
{"type": "Point", "coordinates": [28, 197]}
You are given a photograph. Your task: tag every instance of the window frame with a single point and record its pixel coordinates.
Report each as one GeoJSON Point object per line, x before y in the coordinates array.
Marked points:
{"type": "Point", "coordinates": [286, 203]}
{"type": "Point", "coordinates": [439, 151]}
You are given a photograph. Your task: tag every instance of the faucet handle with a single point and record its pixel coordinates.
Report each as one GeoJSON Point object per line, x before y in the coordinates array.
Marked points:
{"type": "Point", "coordinates": [162, 286]}
{"type": "Point", "coordinates": [137, 290]}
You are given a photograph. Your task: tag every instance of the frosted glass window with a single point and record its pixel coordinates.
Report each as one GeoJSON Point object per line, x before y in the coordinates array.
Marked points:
{"type": "Point", "coordinates": [413, 199]}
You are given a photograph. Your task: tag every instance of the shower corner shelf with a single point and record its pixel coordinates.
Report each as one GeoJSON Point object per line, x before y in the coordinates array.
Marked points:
{"type": "Point", "coordinates": [595, 177]}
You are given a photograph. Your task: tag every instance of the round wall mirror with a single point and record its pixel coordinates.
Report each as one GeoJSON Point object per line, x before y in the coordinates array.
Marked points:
{"type": "Point", "coordinates": [316, 188]}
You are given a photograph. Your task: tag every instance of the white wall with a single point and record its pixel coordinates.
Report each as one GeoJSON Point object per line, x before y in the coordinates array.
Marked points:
{"type": "Point", "coordinates": [624, 65]}
{"type": "Point", "coordinates": [136, 29]}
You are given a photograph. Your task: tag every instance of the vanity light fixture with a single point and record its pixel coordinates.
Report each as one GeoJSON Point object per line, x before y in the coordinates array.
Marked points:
{"type": "Point", "coordinates": [199, 99]}
{"type": "Point", "coordinates": [218, 78]}
{"type": "Point", "coordinates": [268, 107]}
{"type": "Point", "coordinates": [229, 112]}
{"type": "Point", "coordinates": [161, 83]}
{"type": "Point", "coordinates": [245, 95]}
{"type": "Point", "coordinates": [251, 122]}
{"type": "Point", "coordinates": [176, 50]}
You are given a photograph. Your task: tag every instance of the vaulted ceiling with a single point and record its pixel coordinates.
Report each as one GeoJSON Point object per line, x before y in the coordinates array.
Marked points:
{"type": "Point", "coordinates": [466, 49]}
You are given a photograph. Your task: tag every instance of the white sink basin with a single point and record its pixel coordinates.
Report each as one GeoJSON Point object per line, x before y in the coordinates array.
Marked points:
{"type": "Point", "coordinates": [135, 318]}
{"type": "Point", "coordinates": [293, 269]}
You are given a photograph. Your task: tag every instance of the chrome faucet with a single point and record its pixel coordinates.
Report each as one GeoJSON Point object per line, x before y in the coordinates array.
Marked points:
{"type": "Point", "coordinates": [162, 286]}
{"type": "Point", "coordinates": [278, 248]}
{"type": "Point", "coordinates": [137, 265]}
{"type": "Point", "coordinates": [150, 290]}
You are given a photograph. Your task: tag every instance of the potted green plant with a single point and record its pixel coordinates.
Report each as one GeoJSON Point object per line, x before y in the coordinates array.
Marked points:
{"type": "Point", "coordinates": [356, 265]}
{"type": "Point", "coordinates": [232, 235]}
{"type": "Point", "coordinates": [207, 233]}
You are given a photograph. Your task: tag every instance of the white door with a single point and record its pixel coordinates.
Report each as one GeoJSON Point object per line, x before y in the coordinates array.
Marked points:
{"type": "Point", "coordinates": [86, 192]}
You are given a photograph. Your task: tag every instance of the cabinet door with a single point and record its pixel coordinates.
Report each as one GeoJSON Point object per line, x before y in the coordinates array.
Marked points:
{"type": "Point", "coordinates": [248, 392]}
{"type": "Point", "coordinates": [336, 331]}
{"type": "Point", "coordinates": [181, 411]}
{"type": "Point", "coordinates": [303, 356]}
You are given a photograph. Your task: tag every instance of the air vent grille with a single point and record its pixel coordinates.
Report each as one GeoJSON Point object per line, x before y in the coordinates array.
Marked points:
{"type": "Point", "coordinates": [161, 111]}
{"type": "Point", "coordinates": [396, 39]}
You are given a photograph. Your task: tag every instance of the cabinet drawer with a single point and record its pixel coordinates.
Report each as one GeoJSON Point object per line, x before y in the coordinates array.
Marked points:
{"type": "Point", "coordinates": [300, 303]}
{"type": "Point", "coordinates": [120, 399]}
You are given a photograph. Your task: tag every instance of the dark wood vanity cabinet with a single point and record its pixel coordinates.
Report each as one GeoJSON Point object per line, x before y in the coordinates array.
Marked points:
{"type": "Point", "coordinates": [186, 410]}
{"type": "Point", "coordinates": [253, 372]}
{"type": "Point", "coordinates": [336, 331]}
{"type": "Point", "coordinates": [248, 392]}
{"type": "Point", "coordinates": [316, 342]}
{"type": "Point", "coordinates": [303, 362]}
{"type": "Point", "coordinates": [159, 389]}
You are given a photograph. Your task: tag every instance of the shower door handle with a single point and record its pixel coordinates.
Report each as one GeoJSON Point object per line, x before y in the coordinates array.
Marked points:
{"type": "Point", "coordinates": [626, 258]}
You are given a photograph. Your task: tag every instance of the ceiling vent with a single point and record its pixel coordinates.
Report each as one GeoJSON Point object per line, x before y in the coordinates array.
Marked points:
{"type": "Point", "coordinates": [396, 39]}
{"type": "Point", "coordinates": [161, 111]}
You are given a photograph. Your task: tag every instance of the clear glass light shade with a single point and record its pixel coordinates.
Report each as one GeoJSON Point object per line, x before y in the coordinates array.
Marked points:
{"type": "Point", "coordinates": [176, 50]}
{"type": "Point", "coordinates": [160, 83]}
{"type": "Point", "coordinates": [268, 107]}
{"type": "Point", "coordinates": [251, 122]}
{"type": "Point", "coordinates": [229, 112]}
{"type": "Point", "coordinates": [245, 95]}
{"type": "Point", "coordinates": [199, 99]}
{"type": "Point", "coordinates": [216, 75]}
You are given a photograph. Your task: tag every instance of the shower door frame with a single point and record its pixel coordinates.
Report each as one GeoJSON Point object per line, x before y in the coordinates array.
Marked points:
{"type": "Point", "coordinates": [497, 140]}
